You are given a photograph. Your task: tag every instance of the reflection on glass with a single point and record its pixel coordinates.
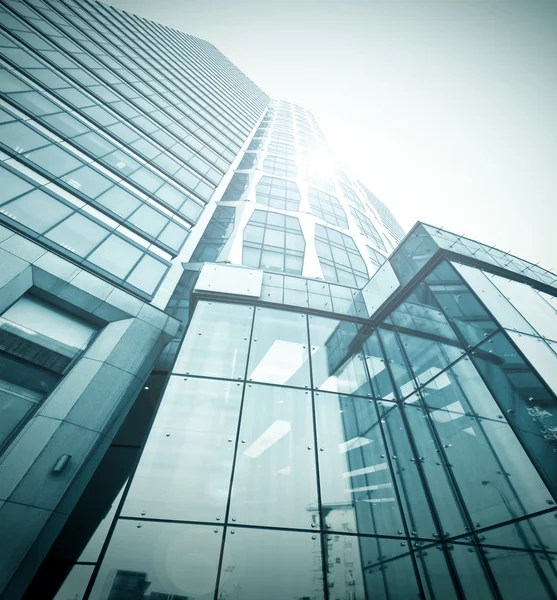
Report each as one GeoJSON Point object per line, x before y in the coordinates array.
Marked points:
{"type": "Point", "coordinates": [471, 573]}
{"type": "Point", "coordinates": [459, 304]}
{"type": "Point", "coordinates": [357, 492]}
{"type": "Point", "coordinates": [441, 488]}
{"type": "Point", "coordinates": [279, 349]}
{"type": "Point", "coordinates": [275, 565]}
{"type": "Point", "coordinates": [380, 379]}
{"type": "Point", "coordinates": [540, 354]}
{"type": "Point", "coordinates": [434, 572]}
{"type": "Point", "coordinates": [457, 391]}
{"type": "Point", "coordinates": [524, 400]}
{"type": "Point", "coordinates": [184, 471]}
{"type": "Point", "coordinates": [336, 367]}
{"type": "Point", "coordinates": [503, 484]}
{"type": "Point", "coordinates": [397, 363]}
{"type": "Point", "coordinates": [153, 559]}
{"type": "Point", "coordinates": [360, 567]}
{"type": "Point", "coordinates": [216, 343]}
{"type": "Point", "coordinates": [406, 470]}
{"type": "Point", "coordinates": [274, 478]}
{"type": "Point", "coordinates": [75, 583]}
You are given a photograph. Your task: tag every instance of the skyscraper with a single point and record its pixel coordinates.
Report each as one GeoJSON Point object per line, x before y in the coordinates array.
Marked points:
{"type": "Point", "coordinates": [225, 370]}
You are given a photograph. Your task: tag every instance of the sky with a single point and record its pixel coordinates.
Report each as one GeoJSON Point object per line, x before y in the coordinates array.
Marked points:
{"type": "Point", "coordinates": [445, 109]}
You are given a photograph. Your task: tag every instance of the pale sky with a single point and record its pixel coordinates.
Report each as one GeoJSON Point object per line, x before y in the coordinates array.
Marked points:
{"type": "Point", "coordinates": [446, 110]}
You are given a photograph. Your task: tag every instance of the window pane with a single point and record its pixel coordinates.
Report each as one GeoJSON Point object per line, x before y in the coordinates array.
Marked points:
{"type": "Point", "coordinates": [275, 478]}
{"type": "Point", "coordinates": [115, 256]}
{"type": "Point", "coordinates": [78, 234]}
{"type": "Point", "coordinates": [216, 343]}
{"type": "Point", "coordinates": [357, 491]}
{"type": "Point", "coordinates": [260, 563]}
{"type": "Point", "coordinates": [36, 210]}
{"type": "Point", "coordinates": [168, 559]}
{"type": "Point", "coordinates": [147, 274]}
{"type": "Point", "coordinates": [279, 352]}
{"type": "Point", "coordinates": [188, 453]}
{"type": "Point", "coordinates": [335, 368]}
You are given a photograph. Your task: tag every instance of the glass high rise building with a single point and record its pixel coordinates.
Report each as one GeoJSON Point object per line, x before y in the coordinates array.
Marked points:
{"type": "Point", "coordinates": [226, 372]}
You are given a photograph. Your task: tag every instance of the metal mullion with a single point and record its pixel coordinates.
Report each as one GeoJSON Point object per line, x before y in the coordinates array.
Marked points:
{"type": "Point", "coordinates": [235, 453]}
{"type": "Point", "coordinates": [391, 471]}
{"type": "Point", "coordinates": [431, 504]}
{"type": "Point", "coordinates": [322, 526]}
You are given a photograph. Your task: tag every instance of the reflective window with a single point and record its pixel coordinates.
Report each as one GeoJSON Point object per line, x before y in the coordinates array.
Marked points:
{"type": "Point", "coordinates": [282, 149]}
{"type": "Point", "coordinates": [277, 193]}
{"type": "Point", "coordinates": [336, 367]}
{"type": "Point", "coordinates": [76, 583]}
{"type": "Point", "coordinates": [339, 257]}
{"type": "Point", "coordinates": [78, 234]}
{"type": "Point", "coordinates": [275, 242]}
{"type": "Point", "coordinates": [260, 562]}
{"type": "Point", "coordinates": [188, 453]}
{"type": "Point", "coordinates": [274, 478]}
{"type": "Point", "coordinates": [248, 160]}
{"type": "Point", "coordinates": [216, 343]}
{"type": "Point", "coordinates": [359, 567]}
{"type": "Point", "coordinates": [280, 166]}
{"type": "Point", "coordinates": [376, 258]}
{"type": "Point", "coordinates": [279, 349]}
{"type": "Point", "coordinates": [36, 210]}
{"type": "Point", "coordinates": [327, 207]}
{"type": "Point", "coordinates": [357, 491]}
{"type": "Point", "coordinates": [236, 188]}
{"type": "Point", "coordinates": [115, 256]}
{"type": "Point", "coordinates": [215, 236]}
{"type": "Point", "coordinates": [367, 228]}
{"type": "Point", "coordinates": [168, 559]}
{"type": "Point", "coordinates": [352, 196]}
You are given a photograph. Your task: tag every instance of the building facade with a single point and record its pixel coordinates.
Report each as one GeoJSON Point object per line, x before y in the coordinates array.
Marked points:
{"type": "Point", "coordinates": [225, 371]}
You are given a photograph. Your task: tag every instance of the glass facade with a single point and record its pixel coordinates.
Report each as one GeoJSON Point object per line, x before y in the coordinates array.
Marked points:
{"type": "Point", "coordinates": [311, 433]}
{"type": "Point", "coordinates": [315, 456]}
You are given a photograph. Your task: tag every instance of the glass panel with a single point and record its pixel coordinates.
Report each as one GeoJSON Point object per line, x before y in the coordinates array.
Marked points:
{"type": "Point", "coordinates": [540, 354]}
{"type": "Point", "coordinates": [523, 400]}
{"type": "Point", "coordinates": [76, 583]}
{"type": "Point", "coordinates": [335, 367]}
{"type": "Point", "coordinates": [457, 391]}
{"type": "Point", "coordinates": [260, 563]}
{"type": "Point", "coordinates": [380, 379]}
{"type": "Point", "coordinates": [165, 560]}
{"type": "Point", "coordinates": [115, 256]}
{"type": "Point", "coordinates": [503, 484]}
{"type": "Point", "coordinates": [36, 210]}
{"type": "Point", "coordinates": [434, 572]}
{"type": "Point", "coordinates": [78, 234]}
{"type": "Point", "coordinates": [359, 567]}
{"type": "Point", "coordinates": [471, 573]}
{"type": "Point", "coordinates": [357, 491]}
{"type": "Point", "coordinates": [275, 475]}
{"type": "Point", "coordinates": [216, 343]}
{"type": "Point", "coordinates": [147, 274]}
{"type": "Point", "coordinates": [530, 305]}
{"type": "Point", "coordinates": [440, 486]}
{"type": "Point", "coordinates": [279, 352]}
{"type": "Point", "coordinates": [407, 474]}
{"type": "Point", "coordinates": [188, 453]}
{"type": "Point", "coordinates": [397, 363]}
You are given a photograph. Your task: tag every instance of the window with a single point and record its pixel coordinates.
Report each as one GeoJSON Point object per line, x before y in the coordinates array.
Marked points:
{"type": "Point", "coordinates": [339, 257]}
{"type": "Point", "coordinates": [236, 188]}
{"type": "Point", "coordinates": [278, 165]}
{"type": "Point", "coordinates": [274, 242]}
{"type": "Point", "coordinates": [367, 228]}
{"type": "Point", "coordinates": [38, 344]}
{"type": "Point", "coordinates": [282, 149]}
{"type": "Point", "coordinates": [278, 193]}
{"type": "Point", "coordinates": [248, 161]}
{"type": "Point", "coordinates": [375, 257]}
{"type": "Point", "coordinates": [352, 197]}
{"type": "Point", "coordinates": [327, 207]}
{"type": "Point", "coordinates": [215, 235]}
